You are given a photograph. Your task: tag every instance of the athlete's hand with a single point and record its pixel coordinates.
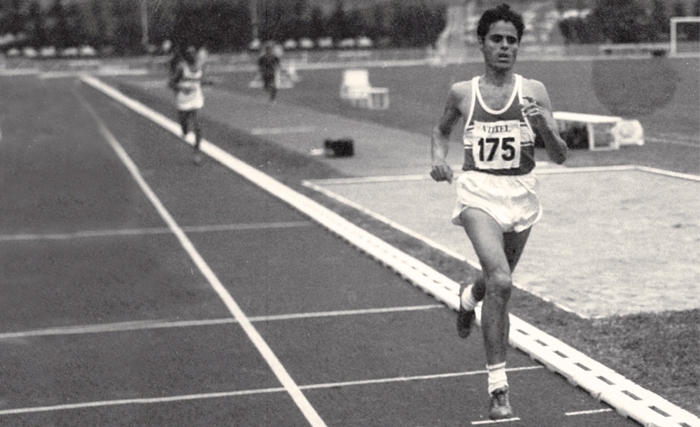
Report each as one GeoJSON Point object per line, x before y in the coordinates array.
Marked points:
{"type": "Point", "coordinates": [533, 113]}
{"type": "Point", "coordinates": [442, 172]}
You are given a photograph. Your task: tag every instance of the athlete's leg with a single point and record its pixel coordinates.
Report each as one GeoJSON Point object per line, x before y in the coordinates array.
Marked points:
{"type": "Point", "coordinates": [488, 241]}
{"type": "Point", "coordinates": [197, 129]}
{"type": "Point", "coordinates": [513, 243]}
{"type": "Point", "coordinates": [479, 288]}
{"type": "Point", "coordinates": [182, 117]}
{"type": "Point", "coordinates": [498, 254]}
{"type": "Point", "coordinates": [267, 82]}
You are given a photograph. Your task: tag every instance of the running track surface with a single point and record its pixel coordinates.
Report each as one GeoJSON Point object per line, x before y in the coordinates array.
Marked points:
{"type": "Point", "coordinates": [159, 293]}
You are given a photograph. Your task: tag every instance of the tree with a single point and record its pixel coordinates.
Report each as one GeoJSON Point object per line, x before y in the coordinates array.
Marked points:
{"type": "Point", "coordinates": [377, 28]}
{"type": "Point", "coordinates": [416, 25]}
{"type": "Point", "coordinates": [12, 18]}
{"type": "Point", "coordinates": [37, 30]}
{"type": "Point", "coordinates": [317, 26]}
{"type": "Point", "coordinates": [127, 29]}
{"type": "Point", "coordinates": [57, 26]}
{"type": "Point", "coordinates": [620, 21]}
{"type": "Point", "coordinates": [580, 30]}
{"type": "Point", "coordinates": [298, 25]}
{"type": "Point", "coordinates": [338, 26]}
{"type": "Point", "coordinates": [187, 29]}
{"type": "Point", "coordinates": [356, 24]}
{"type": "Point", "coordinates": [226, 25]}
{"type": "Point", "coordinates": [659, 19]}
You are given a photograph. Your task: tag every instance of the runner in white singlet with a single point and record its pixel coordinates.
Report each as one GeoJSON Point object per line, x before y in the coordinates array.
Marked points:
{"type": "Point", "coordinates": [497, 200]}
{"type": "Point", "coordinates": [186, 81]}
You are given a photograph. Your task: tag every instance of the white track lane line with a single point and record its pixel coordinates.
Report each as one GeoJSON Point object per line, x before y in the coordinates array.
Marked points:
{"type": "Point", "coordinates": [164, 324]}
{"type": "Point", "coordinates": [589, 412]}
{"type": "Point", "coordinates": [201, 396]}
{"type": "Point", "coordinates": [414, 378]}
{"type": "Point", "coordinates": [143, 231]}
{"type": "Point", "coordinates": [142, 401]}
{"type": "Point", "coordinates": [274, 363]}
{"type": "Point", "coordinates": [282, 131]}
{"type": "Point", "coordinates": [487, 422]}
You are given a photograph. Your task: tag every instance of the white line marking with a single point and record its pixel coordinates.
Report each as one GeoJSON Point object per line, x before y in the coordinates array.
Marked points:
{"type": "Point", "coordinates": [103, 72]}
{"type": "Point", "coordinates": [669, 141]}
{"type": "Point", "coordinates": [509, 420]}
{"type": "Point", "coordinates": [554, 171]}
{"type": "Point", "coordinates": [589, 412]}
{"type": "Point", "coordinates": [282, 131]}
{"type": "Point", "coordinates": [240, 227]}
{"type": "Point", "coordinates": [669, 173]}
{"type": "Point", "coordinates": [148, 231]}
{"type": "Point", "coordinates": [346, 312]}
{"type": "Point", "coordinates": [371, 179]}
{"type": "Point", "coordinates": [274, 363]}
{"type": "Point", "coordinates": [412, 378]}
{"type": "Point", "coordinates": [162, 324]}
{"type": "Point", "coordinates": [621, 168]}
{"type": "Point", "coordinates": [146, 400]}
{"type": "Point", "coordinates": [114, 327]}
{"type": "Point", "coordinates": [200, 396]}
{"type": "Point", "coordinates": [19, 72]}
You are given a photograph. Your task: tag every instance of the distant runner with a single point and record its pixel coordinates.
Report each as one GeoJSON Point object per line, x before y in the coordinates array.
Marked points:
{"type": "Point", "coordinates": [187, 69]}
{"type": "Point", "coordinates": [497, 201]}
{"type": "Point", "coordinates": [268, 66]}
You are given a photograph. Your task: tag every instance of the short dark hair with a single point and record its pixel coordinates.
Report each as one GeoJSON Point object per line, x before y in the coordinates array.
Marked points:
{"type": "Point", "coordinates": [500, 13]}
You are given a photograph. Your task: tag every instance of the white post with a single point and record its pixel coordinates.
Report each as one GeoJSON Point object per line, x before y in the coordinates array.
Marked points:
{"type": "Point", "coordinates": [673, 37]}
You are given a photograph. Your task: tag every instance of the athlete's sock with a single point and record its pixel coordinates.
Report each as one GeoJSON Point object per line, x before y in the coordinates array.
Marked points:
{"type": "Point", "coordinates": [497, 376]}
{"type": "Point", "coordinates": [467, 299]}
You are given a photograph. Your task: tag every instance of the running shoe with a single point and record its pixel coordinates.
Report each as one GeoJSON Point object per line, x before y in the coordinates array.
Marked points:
{"type": "Point", "coordinates": [465, 318]}
{"type": "Point", "coordinates": [500, 408]}
{"type": "Point", "coordinates": [197, 159]}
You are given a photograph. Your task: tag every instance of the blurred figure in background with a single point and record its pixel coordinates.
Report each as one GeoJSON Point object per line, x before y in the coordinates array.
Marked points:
{"type": "Point", "coordinates": [186, 72]}
{"type": "Point", "coordinates": [268, 66]}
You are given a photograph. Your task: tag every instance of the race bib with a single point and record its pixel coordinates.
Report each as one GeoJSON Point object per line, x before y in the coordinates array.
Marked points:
{"type": "Point", "coordinates": [496, 145]}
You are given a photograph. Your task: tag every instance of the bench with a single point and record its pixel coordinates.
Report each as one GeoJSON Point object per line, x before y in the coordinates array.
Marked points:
{"type": "Point", "coordinates": [600, 132]}
{"type": "Point", "coordinates": [356, 89]}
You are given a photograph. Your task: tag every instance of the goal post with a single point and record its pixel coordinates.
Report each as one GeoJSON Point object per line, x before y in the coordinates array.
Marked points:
{"type": "Point", "coordinates": [674, 30]}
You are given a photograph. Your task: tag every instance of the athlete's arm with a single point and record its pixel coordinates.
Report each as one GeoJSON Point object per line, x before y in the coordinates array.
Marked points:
{"type": "Point", "coordinates": [538, 111]}
{"type": "Point", "coordinates": [175, 78]}
{"type": "Point", "coordinates": [440, 136]}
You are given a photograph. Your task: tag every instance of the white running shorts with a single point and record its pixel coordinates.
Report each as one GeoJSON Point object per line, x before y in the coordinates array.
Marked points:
{"type": "Point", "coordinates": [511, 200]}
{"type": "Point", "coordinates": [189, 99]}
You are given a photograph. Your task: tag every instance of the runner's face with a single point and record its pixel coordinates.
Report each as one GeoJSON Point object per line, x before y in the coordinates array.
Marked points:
{"type": "Point", "coordinates": [500, 46]}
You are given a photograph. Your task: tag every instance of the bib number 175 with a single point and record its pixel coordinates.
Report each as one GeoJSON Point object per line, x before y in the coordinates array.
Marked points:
{"type": "Point", "coordinates": [503, 146]}
{"type": "Point", "coordinates": [497, 152]}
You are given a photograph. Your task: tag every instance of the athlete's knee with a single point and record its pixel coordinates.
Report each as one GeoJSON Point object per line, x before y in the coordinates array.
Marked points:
{"type": "Point", "coordinates": [499, 283]}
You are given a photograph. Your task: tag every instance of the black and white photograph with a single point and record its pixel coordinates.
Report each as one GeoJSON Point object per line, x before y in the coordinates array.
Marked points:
{"type": "Point", "coordinates": [349, 213]}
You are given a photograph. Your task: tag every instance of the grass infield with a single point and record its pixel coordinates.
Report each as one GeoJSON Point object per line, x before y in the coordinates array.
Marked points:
{"type": "Point", "coordinates": [660, 351]}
